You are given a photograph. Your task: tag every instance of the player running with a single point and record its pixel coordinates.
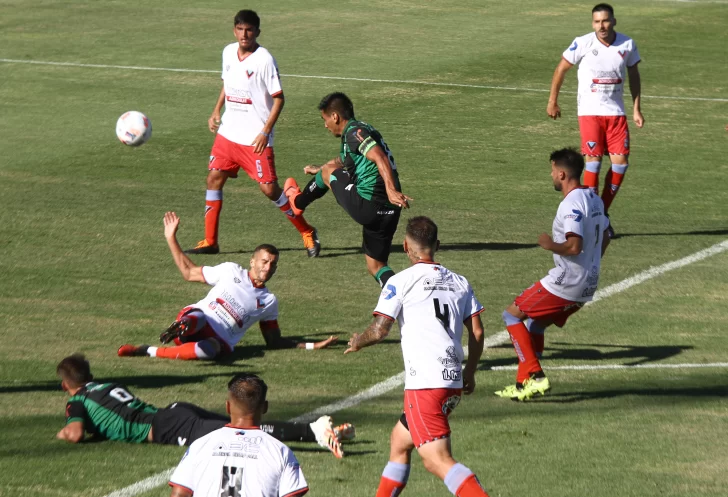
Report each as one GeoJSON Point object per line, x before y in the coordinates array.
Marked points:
{"type": "Point", "coordinates": [364, 180]}
{"type": "Point", "coordinates": [579, 242]}
{"type": "Point", "coordinates": [238, 299]}
{"type": "Point", "coordinates": [240, 458]}
{"type": "Point", "coordinates": [108, 411]}
{"type": "Point", "coordinates": [603, 57]}
{"type": "Point", "coordinates": [431, 305]}
{"type": "Point", "coordinates": [253, 100]}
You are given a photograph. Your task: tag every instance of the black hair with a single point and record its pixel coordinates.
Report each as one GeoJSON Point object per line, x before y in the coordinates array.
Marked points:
{"type": "Point", "coordinates": [75, 369]}
{"type": "Point", "coordinates": [248, 390]}
{"type": "Point", "coordinates": [266, 247]}
{"type": "Point", "coordinates": [570, 160]}
{"type": "Point", "coordinates": [247, 17]}
{"type": "Point", "coordinates": [337, 102]}
{"type": "Point", "coordinates": [604, 7]}
{"type": "Point", "coordinates": [423, 231]}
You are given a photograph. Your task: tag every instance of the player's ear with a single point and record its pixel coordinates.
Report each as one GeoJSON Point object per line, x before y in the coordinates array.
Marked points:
{"type": "Point", "coordinates": [404, 245]}
{"type": "Point", "coordinates": [227, 406]}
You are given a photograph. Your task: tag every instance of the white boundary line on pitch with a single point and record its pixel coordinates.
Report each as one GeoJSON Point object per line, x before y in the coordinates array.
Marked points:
{"type": "Point", "coordinates": [499, 338]}
{"type": "Point", "coordinates": [336, 78]}
{"type": "Point", "coordinates": [595, 367]}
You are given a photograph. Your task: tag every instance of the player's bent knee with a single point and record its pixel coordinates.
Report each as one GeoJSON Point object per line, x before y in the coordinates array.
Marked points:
{"type": "Point", "coordinates": [509, 318]}
{"type": "Point", "coordinates": [207, 349]}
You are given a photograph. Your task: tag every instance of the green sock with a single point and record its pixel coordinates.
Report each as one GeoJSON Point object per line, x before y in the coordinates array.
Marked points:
{"type": "Point", "coordinates": [320, 181]}
{"type": "Point", "coordinates": [383, 275]}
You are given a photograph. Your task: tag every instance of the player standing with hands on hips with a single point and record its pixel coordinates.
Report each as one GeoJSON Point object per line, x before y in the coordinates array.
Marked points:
{"type": "Point", "coordinates": [432, 305]}
{"type": "Point", "coordinates": [603, 57]}
{"type": "Point", "coordinates": [253, 100]}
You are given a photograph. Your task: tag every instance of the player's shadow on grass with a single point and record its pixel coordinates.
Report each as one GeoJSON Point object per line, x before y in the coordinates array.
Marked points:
{"type": "Point", "coordinates": [633, 354]}
{"type": "Point", "coordinates": [720, 391]}
{"type": "Point", "coordinates": [696, 232]}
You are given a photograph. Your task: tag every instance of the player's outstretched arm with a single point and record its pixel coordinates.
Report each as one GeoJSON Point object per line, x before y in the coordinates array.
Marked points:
{"type": "Point", "coordinates": [72, 432]}
{"type": "Point", "coordinates": [274, 340]}
{"type": "Point", "coordinates": [476, 340]}
{"type": "Point", "coordinates": [635, 88]}
{"type": "Point", "coordinates": [376, 154]}
{"type": "Point", "coordinates": [376, 332]}
{"type": "Point", "coordinates": [190, 271]}
{"type": "Point", "coordinates": [572, 246]}
{"type": "Point", "coordinates": [553, 109]}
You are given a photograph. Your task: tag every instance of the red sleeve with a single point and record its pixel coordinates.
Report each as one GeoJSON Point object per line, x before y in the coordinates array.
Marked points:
{"type": "Point", "coordinates": [302, 491]}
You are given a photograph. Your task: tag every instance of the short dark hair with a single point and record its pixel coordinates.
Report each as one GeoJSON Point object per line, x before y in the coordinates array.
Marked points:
{"type": "Point", "coordinates": [423, 231]}
{"type": "Point", "coordinates": [75, 369]}
{"type": "Point", "coordinates": [248, 390]}
{"type": "Point", "coordinates": [247, 17]}
{"type": "Point", "coordinates": [604, 7]}
{"type": "Point", "coordinates": [570, 160]}
{"type": "Point", "coordinates": [266, 247]}
{"type": "Point", "coordinates": [337, 102]}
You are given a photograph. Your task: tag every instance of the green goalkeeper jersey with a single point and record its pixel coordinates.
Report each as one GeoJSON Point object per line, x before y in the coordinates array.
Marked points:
{"type": "Point", "coordinates": [357, 139]}
{"type": "Point", "coordinates": [109, 411]}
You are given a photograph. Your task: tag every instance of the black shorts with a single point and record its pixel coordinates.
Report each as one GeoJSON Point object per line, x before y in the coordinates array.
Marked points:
{"type": "Point", "coordinates": [379, 221]}
{"type": "Point", "coordinates": [182, 423]}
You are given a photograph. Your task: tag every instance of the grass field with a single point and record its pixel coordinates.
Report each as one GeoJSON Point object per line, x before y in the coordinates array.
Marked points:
{"type": "Point", "coordinates": [85, 267]}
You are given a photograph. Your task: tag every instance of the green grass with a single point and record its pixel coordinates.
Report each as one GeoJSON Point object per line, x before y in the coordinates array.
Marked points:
{"type": "Point", "coordinates": [85, 267]}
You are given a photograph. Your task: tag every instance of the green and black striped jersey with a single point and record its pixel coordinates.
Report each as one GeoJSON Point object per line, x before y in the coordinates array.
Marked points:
{"type": "Point", "coordinates": [357, 139]}
{"type": "Point", "coordinates": [109, 411]}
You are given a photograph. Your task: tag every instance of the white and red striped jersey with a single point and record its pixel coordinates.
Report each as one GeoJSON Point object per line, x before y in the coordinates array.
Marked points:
{"type": "Point", "coordinates": [576, 277]}
{"type": "Point", "coordinates": [250, 85]}
{"type": "Point", "coordinates": [234, 304]}
{"type": "Point", "coordinates": [430, 303]}
{"type": "Point", "coordinates": [235, 461]}
{"type": "Point", "coordinates": [602, 73]}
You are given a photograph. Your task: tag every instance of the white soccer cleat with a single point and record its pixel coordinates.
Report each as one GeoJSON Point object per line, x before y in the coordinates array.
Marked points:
{"type": "Point", "coordinates": [323, 429]}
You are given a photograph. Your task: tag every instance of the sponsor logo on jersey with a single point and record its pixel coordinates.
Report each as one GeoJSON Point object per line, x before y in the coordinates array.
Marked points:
{"type": "Point", "coordinates": [230, 310]}
{"type": "Point", "coordinates": [238, 100]}
{"type": "Point", "coordinates": [451, 358]}
{"type": "Point", "coordinates": [181, 441]}
{"type": "Point", "coordinates": [607, 81]}
{"type": "Point", "coordinates": [349, 187]}
{"type": "Point", "coordinates": [576, 215]}
{"type": "Point", "coordinates": [389, 292]}
{"type": "Point", "coordinates": [236, 280]}
{"type": "Point", "coordinates": [451, 375]}
{"type": "Point", "coordinates": [595, 52]}
{"type": "Point", "coordinates": [572, 47]}
{"type": "Point", "coordinates": [444, 280]}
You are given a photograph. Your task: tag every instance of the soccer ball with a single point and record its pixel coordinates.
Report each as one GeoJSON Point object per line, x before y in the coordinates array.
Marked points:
{"type": "Point", "coordinates": [133, 128]}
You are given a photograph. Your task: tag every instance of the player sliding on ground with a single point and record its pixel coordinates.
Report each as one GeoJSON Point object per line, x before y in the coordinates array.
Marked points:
{"type": "Point", "coordinates": [238, 299]}
{"type": "Point", "coordinates": [364, 180]}
{"type": "Point", "coordinates": [432, 305]}
{"type": "Point", "coordinates": [578, 244]}
{"type": "Point", "coordinates": [108, 411]}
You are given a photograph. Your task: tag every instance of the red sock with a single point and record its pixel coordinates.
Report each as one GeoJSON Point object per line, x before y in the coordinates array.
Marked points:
{"type": "Point", "coordinates": [612, 182]}
{"type": "Point", "coordinates": [213, 206]}
{"type": "Point", "coordinates": [186, 352]}
{"type": "Point", "coordinates": [591, 179]}
{"type": "Point", "coordinates": [527, 360]}
{"type": "Point", "coordinates": [298, 221]}
{"type": "Point", "coordinates": [471, 488]}
{"type": "Point", "coordinates": [538, 343]}
{"type": "Point", "coordinates": [389, 488]}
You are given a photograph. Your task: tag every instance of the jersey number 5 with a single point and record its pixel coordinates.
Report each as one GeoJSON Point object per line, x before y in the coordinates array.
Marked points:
{"type": "Point", "coordinates": [442, 315]}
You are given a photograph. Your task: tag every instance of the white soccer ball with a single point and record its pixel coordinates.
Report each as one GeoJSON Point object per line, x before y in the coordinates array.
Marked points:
{"type": "Point", "coordinates": [133, 128]}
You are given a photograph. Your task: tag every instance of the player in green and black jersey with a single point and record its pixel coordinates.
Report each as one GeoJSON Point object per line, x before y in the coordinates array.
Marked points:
{"type": "Point", "coordinates": [364, 180]}
{"type": "Point", "coordinates": [108, 411]}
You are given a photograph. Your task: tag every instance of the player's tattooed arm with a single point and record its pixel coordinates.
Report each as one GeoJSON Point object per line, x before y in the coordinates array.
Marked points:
{"type": "Point", "coordinates": [376, 332]}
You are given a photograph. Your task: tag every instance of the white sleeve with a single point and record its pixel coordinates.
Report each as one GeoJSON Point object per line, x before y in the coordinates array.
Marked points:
{"type": "Point", "coordinates": [271, 78]}
{"type": "Point", "coordinates": [292, 481]}
{"type": "Point", "coordinates": [472, 305]}
{"type": "Point", "coordinates": [572, 219]}
{"type": "Point", "coordinates": [271, 312]}
{"type": "Point", "coordinates": [574, 53]}
{"type": "Point", "coordinates": [390, 300]}
{"type": "Point", "coordinates": [184, 474]}
{"type": "Point", "coordinates": [213, 274]}
{"type": "Point", "coordinates": [634, 56]}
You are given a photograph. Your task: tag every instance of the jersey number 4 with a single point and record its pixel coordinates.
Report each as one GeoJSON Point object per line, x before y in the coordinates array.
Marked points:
{"type": "Point", "coordinates": [442, 315]}
{"type": "Point", "coordinates": [231, 482]}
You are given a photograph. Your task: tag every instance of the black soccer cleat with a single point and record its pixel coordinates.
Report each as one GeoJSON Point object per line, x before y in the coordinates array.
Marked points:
{"type": "Point", "coordinates": [203, 248]}
{"type": "Point", "coordinates": [176, 329]}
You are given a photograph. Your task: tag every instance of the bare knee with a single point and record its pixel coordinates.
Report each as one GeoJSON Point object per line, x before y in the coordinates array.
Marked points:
{"type": "Point", "coordinates": [216, 179]}
{"type": "Point", "coordinates": [271, 190]}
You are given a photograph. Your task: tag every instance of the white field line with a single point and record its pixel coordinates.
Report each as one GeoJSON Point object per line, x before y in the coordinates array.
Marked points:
{"type": "Point", "coordinates": [595, 367]}
{"type": "Point", "coordinates": [498, 339]}
{"type": "Point", "coordinates": [335, 78]}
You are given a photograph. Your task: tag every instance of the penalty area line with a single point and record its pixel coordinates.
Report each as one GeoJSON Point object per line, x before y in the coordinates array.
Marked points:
{"type": "Point", "coordinates": [500, 338]}
{"type": "Point", "coordinates": [336, 78]}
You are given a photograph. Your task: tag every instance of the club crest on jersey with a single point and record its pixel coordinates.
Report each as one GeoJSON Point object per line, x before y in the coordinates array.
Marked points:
{"type": "Point", "coordinates": [236, 280]}
{"type": "Point", "coordinates": [212, 158]}
{"type": "Point", "coordinates": [259, 304]}
{"type": "Point", "coordinates": [572, 47]}
{"type": "Point", "coordinates": [595, 52]}
{"type": "Point", "coordinates": [622, 53]}
{"type": "Point", "coordinates": [591, 145]}
{"type": "Point", "coordinates": [249, 73]}
{"type": "Point", "coordinates": [389, 292]}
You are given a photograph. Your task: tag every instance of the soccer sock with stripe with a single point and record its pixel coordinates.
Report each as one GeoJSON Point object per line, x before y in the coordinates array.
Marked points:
{"type": "Point", "coordinates": [213, 207]}
{"type": "Point", "coordinates": [527, 360]}
{"type": "Point", "coordinates": [298, 221]}
{"type": "Point", "coordinates": [196, 319]}
{"type": "Point", "coordinates": [591, 175]}
{"type": "Point", "coordinates": [612, 182]}
{"type": "Point", "coordinates": [315, 189]}
{"type": "Point", "coordinates": [383, 275]}
{"type": "Point", "coordinates": [187, 351]}
{"type": "Point", "coordinates": [463, 483]}
{"type": "Point", "coordinates": [393, 480]}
